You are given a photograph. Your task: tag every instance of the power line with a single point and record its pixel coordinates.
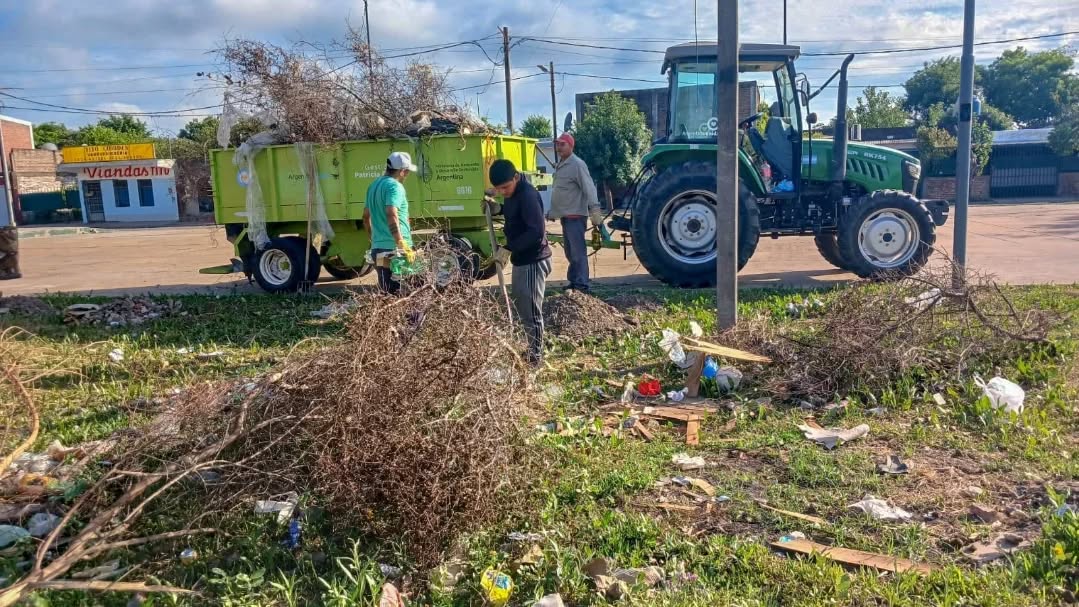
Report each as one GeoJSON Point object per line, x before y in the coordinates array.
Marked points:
{"type": "Point", "coordinates": [110, 69]}
{"type": "Point", "coordinates": [888, 51]}
{"type": "Point", "coordinates": [90, 111]}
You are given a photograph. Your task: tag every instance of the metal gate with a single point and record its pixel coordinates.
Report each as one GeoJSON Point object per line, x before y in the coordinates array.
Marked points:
{"type": "Point", "coordinates": [95, 206]}
{"type": "Point", "coordinates": [1023, 171]}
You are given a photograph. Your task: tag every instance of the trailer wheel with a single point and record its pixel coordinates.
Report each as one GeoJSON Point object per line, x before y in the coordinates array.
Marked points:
{"type": "Point", "coordinates": [345, 272]}
{"type": "Point", "coordinates": [674, 225]}
{"type": "Point", "coordinates": [828, 247]}
{"type": "Point", "coordinates": [886, 235]}
{"type": "Point", "coordinates": [278, 267]}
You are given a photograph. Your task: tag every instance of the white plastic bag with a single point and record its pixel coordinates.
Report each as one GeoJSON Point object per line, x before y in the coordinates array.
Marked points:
{"type": "Point", "coordinates": [1002, 394]}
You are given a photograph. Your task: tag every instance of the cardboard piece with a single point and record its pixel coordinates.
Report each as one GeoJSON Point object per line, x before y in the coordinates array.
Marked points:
{"type": "Point", "coordinates": [856, 558]}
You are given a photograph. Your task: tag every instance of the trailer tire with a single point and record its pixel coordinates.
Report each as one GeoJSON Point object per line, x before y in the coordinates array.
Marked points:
{"type": "Point", "coordinates": [277, 267]}
{"type": "Point", "coordinates": [673, 209]}
{"type": "Point", "coordinates": [828, 247]}
{"type": "Point", "coordinates": [346, 272]}
{"type": "Point", "coordinates": [886, 235]}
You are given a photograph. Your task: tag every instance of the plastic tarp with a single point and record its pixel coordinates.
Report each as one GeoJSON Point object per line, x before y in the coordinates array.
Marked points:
{"type": "Point", "coordinates": [316, 204]}
{"type": "Point", "coordinates": [256, 211]}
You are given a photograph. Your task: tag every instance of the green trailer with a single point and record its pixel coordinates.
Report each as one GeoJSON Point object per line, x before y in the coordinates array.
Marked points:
{"type": "Point", "coordinates": [445, 201]}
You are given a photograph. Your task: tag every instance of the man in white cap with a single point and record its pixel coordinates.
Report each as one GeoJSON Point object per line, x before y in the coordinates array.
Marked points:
{"type": "Point", "coordinates": [385, 215]}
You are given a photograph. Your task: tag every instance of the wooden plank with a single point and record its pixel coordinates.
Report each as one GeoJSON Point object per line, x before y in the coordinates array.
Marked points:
{"type": "Point", "coordinates": [816, 520]}
{"type": "Point", "coordinates": [645, 433]}
{"type": "Point", "coordinates": [693, 428]}
{"type": "Point", "coordinates": [855, 558]}
{"type": "Point", "coordinates": [693, 380]}
{"type": "Point", "coordinates": [677, 507]}
{"type": "Point", "coordinates": [674, 413]}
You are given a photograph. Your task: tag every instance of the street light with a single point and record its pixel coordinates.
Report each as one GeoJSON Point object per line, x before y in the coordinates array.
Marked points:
{"type": "Point", "coordinates": [554, 109]}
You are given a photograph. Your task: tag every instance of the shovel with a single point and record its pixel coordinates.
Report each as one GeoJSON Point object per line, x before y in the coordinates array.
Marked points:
{"type": "Point", "coordinates": [498, 264]}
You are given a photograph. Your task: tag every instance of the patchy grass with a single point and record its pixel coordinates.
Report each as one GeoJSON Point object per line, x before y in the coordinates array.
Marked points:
{"type": "Point", "coordinates": [599, 492]}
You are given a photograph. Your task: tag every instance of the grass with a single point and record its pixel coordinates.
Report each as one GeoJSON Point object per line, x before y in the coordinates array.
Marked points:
{"type": "Point", "coordinates": [598, 493]}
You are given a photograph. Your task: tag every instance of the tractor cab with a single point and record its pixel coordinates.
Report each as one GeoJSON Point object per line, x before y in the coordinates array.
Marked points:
{"type": "Point", "coordinates": [691, 69]}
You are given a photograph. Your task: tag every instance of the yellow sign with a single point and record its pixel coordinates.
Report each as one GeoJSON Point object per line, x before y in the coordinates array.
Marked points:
{"type": "Point", "coordinates": [108, 153]}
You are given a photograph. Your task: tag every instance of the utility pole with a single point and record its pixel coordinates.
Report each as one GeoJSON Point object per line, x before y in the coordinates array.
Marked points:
{"type": "Point", "coordinates": [367, 25]}
{"type": "Point", "coordinates": [509, 85]}
{"type": "Point", "coordinates": [784, 21]}
{"type": "Point", "coordinates": [549, 69]}
{"type": "Point", "coordinates": [727, 165]}
{"type": "Point", "coordinates": [962, 170]}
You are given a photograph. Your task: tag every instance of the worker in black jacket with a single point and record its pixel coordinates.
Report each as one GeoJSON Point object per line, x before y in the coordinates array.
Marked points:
{"type": "Point", "coordinates": [526, 240]}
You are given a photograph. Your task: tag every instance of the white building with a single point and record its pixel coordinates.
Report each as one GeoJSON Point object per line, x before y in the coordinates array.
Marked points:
{"type": "Point", "coordinates": [132, 190]}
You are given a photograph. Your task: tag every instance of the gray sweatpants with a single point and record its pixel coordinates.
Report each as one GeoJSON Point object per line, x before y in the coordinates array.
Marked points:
{"type": "Point", "coordinates": [573, 235]}
{"type": "Point", "coordinates": [529, 284]}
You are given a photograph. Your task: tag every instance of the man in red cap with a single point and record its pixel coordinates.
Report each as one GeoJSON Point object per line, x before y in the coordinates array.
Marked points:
{"type": "Point", "coordinates": [573, 201]}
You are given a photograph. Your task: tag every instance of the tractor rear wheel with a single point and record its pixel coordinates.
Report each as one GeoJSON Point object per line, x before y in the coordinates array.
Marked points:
{"type": "Point", "coordinates": [345, 272]}
{"type": "Point", "coordinates": [887, 234]}
{"type": "Point", "coordinates": [278, 268]}
{"type": "Point", "coordinates": [828, 247]}
{"type": "Point", "coordinates": [675, 224]}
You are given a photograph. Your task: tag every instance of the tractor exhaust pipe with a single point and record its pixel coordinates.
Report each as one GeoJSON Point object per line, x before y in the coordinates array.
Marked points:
{"type": "Point", "coordinates": [839, 149]}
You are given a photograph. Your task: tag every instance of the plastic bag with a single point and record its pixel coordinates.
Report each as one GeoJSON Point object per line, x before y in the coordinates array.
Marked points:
{"type": "Point", "coordinates": [1002, 394]}
{"type": "Point", "coordinates": [305, 154]}
{"type": "Point", "coordinates": [244, 158]}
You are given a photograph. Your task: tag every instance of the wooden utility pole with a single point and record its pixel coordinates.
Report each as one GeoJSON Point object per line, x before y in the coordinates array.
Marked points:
{"type": "Point", "coordinates": [367, 26]}
{"type": "Point", "coordinates": [784, 21]}
{"type": "Point", "coordinates": [963, 158]}
{"type": "Point", "coordinates": [509, 84]}
{"type": "Point", "coordinates": [727, 165]}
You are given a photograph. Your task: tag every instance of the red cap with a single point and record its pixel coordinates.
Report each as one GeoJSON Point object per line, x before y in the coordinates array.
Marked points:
{"type": "Point", "coordinates": [567, 139]}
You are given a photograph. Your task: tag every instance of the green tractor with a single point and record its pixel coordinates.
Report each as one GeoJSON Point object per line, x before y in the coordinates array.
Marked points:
{"type": "Point", "coordinates": [856, 200]}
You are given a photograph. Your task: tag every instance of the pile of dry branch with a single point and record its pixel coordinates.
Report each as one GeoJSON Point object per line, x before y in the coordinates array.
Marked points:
{"type": "Point", "coordinates": [866, 336]}
{"type": "Point", "coordinates": [298, 93]}
{"type": "Point", "coordinates": [576, 316]}
{"type": "Point", "coordinates": [407, 430]}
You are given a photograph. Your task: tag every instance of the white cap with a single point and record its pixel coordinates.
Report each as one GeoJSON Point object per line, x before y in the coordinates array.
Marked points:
{"type": "Point", "coordinates": [401, 160]}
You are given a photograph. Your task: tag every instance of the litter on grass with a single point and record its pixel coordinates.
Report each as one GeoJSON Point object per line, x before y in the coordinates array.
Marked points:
{"type": "Point", "coordinates": [996, 547]}
{"type": "Point", "coordinates": [686, 462]}
{"type": "Point", "coordinates": [830, 437]}
{"type": "Point", "coordinates": [283, 509]}
{"type": "Point", "coordinates": [881, 509]}
{"type": "Point", "coordinates": [893, 465]}
{"type": "Point", "coordinates": [1002, 394]}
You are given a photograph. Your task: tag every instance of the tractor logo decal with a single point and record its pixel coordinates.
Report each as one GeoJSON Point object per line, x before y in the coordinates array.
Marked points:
{"type": "Point", "coordinates": [243, 177]}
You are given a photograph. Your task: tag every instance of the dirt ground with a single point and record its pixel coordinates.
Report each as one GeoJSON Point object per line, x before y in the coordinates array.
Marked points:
{"type": "Point", "coordinates": [1020, 244]}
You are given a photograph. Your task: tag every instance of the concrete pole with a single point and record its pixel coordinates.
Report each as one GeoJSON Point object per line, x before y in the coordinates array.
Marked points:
{"type": "Point", "coordinates": [727, 165]}
{"type": "Point", "coordinates": [7, 211]}
{"type": "Point", "coordinates": [963, 154]}
{"type": "Point", "coordinates": [367, 26]}
{"type": "Point", "coordinates": [509, 85]}
{"type": "Point", "coordinates": [554, 106]}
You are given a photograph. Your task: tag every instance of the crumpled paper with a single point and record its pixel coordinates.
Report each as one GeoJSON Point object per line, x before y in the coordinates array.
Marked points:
{"type": "Point", "coordinates": [830, 437]}
{"type": "Point", "coordinates": [881, 509]}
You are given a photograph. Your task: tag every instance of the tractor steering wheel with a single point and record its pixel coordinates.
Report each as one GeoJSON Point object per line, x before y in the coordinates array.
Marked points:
{"type": "Point", "coordinates": [748, 122]}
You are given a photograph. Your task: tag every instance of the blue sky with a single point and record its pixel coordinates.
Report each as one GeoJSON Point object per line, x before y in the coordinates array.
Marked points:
{"type": "Point", "coordinates": [142, 55]}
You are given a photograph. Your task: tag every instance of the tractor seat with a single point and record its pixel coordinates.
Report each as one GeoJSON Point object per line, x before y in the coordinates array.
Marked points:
{"type": "Point", "coordinates": [775, 145]}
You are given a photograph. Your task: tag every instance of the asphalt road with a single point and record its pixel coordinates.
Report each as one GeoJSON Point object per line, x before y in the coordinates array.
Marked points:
{"type": "Point", "coordinates": [1019, 244]}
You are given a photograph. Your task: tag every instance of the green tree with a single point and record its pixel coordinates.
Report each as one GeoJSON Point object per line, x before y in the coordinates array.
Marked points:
{"type": "Point", "coordinates": [126, 124]}
{"type": "Point", "coordinates": [611, 139]}
{"type": "Point", "coordinates": [996, 119]}
{"type": "Point", "coordinates": [536, 127]}
{"type": "Point", "coordinates": [200, 130]}
{"type": "Point", "coordinates": [53, 132]}
{"type": "Point", "coordinates": [96, 134]}
{"type": "Point", "coordinates": [937, 82]}
{"type": "Point", "coordinates": [1064, 138]}
{"type": "Point", "coordinates": [879, 109]}
{"type": "Point", "coordinates": [1035, 88]}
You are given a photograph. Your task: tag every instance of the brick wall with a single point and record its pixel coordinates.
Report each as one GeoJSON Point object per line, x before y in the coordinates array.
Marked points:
{"type": "Point", "coordinates": [944, 188]}
{"type": "Point", "coordinates": [17, 136]}
{"type": "Point", "coordinates": [35, 172]}
{"type": "Point", "coordinates": [1069, 184]}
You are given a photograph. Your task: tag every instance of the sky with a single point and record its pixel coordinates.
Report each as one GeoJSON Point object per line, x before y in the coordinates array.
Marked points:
{"type": "Point", "coordinates": [143, 55]}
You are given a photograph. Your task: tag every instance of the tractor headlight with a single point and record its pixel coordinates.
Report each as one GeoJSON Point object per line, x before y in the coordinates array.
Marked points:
{"type": "Point", "coordinates": [912, 172]}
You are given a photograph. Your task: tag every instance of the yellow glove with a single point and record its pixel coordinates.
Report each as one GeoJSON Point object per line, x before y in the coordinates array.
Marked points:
{"type": "Point", "coordinates": [406, 251]}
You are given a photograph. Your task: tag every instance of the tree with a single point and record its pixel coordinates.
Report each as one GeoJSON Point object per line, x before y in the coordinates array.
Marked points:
{"type": "Point", "coordinates": [1035, 88]}
{"type": "Point", "coordinates": [879, 109]}
{"type": "Point", "coordinates": [204, 131]}
{"type": "Point", "coordinates": [611, 139]}
{"type": "Point", "coordinates": [996, 119]}
{"type": "Point", "coordinates": [53, 132]}
{"type": "Point", "coordinates": [127, 125]}
{"type": "Point", "coordinates": [936, 82]}
{"type": "Point", "coordinates": [1064, 138]}
{"type": "Point", "coordinates": [536, 127]}
{"type": "Point", "coordinates": [96, 134]}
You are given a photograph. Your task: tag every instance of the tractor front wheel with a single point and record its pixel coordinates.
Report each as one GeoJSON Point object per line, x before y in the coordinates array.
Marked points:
{"type": "Point", "coordinates": [675, 224]}
{"type": "Point", "coordinates": [887, 234]}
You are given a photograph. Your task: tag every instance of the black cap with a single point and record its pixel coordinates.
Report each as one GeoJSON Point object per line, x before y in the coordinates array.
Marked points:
{"type": "Point", "coordinates": [501, 172]}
